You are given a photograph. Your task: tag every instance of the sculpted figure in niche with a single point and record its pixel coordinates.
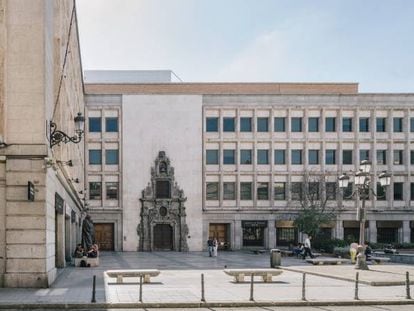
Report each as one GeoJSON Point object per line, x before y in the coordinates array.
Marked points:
{"type": "Point", "coordinates": [88, 233]}
{"type": "Point", "coordinates": [163, 167]}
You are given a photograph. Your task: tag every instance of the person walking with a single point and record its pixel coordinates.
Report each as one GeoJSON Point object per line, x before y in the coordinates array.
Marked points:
{"type": "Point", "coordinates": [307, 247]}
{"type": "Point", "coordinates": [210, 246]}
{"type": "Point", "coordinates": [215, 247]}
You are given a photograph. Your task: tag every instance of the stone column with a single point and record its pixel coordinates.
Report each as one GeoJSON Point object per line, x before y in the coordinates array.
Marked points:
{"type": "Point", "coordinates": [238, 234]}
{"type": "Point", "coordinates": [271, 242]}
{"type": "Point", "coordinates": [372, 237]}
{"type": "Point", "coordinates": [406, 231]}
{"type": "Point", "coordinates": [339, 230]}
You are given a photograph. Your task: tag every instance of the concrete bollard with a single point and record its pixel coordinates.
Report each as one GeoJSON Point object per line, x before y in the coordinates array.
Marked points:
{"type": "Point", "coordinates": [140, 288]}
{"type": "Point", "coordinates": [251, 287]}
{"type": "Point", "coordinates": [407, 285]}
{"type": "Point", "coordinates": [203, 299]}
{"type": "Point", "coordinates": [94, 289]}
{"type": "Point", "coordinates": [304, 286]}
{"type": "Point", "coordinates": [356, 297]}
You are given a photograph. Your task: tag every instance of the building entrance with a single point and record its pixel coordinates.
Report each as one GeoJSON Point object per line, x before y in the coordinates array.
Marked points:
{"type": "Point", "coordinates": [221, 233]}
{"type": "Point", "coordinates": [104, 236]}
{"type": "Point", "coordinates": [163, 237]}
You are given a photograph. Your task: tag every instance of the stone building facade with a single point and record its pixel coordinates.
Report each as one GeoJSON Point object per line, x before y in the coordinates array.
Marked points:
{"type": "Point", "coordinates": [40, 81]}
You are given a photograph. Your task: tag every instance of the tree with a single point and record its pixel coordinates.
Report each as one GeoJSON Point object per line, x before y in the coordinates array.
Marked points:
{"type": "Point", "coordinates": [313, 194]}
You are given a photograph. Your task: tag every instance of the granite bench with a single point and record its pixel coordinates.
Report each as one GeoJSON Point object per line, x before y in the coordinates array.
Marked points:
{"type": "Point", "coordinates": [378, 260]}
{"type": "Point", "coordinates": [239, 274]}
{"type": "Point", "coordinates": [121, 274]}
{"type": "Point", "coordinates": [326, 261]}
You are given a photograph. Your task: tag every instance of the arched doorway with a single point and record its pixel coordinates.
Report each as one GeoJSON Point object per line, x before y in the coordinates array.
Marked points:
{"type": "Point", "coordinates": [163, 237]}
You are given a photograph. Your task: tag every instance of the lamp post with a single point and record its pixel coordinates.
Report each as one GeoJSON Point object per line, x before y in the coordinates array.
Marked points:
{"type": "Point", "coordinates": [363, 188]}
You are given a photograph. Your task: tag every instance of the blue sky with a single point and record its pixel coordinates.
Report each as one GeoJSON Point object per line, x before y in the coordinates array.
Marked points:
{"type": "Point", "coordinates": [369, 41]}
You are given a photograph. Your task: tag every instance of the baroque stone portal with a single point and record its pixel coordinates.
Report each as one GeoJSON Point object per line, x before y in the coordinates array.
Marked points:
{"type": "Point", "coordinates": [163, 225]}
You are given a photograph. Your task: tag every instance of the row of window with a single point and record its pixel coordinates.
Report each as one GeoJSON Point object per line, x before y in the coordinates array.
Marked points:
{"type": "Point", "coordinates": [296, 156]}
{"type": "Point", "coordinates": [95, 124]}
{"type": "Point", "coordinates": [95, 190]}
{"type": "Point", "coordinates": [297, 124]}
{"type": "Point", "coordinates": [111, 156]}
{"type": "Point", "coordinates": [297, 191]}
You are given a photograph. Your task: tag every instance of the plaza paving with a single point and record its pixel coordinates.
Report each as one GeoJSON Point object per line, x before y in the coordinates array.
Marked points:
{"type": "Point", "coordinates": [180, 282]}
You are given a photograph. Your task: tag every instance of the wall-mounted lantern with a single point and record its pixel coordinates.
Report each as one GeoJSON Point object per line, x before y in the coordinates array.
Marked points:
{"type": "Point", "coordinates": [57, 136]}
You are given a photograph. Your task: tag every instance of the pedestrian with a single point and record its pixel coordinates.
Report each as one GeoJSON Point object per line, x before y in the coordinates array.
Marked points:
{"type": "Point", "coordinates": [210, 246]}
{"type": "Point", "coordinates": [368, 251]}
{"type": "Point", "coordinates": [307, 247]}
{"type": "Point", "coordinates": [215, 247]}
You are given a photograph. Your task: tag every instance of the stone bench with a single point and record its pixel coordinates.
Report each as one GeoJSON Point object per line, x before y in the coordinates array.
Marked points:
{"type": "Point", "coordinates": [121, 274]}
{"type": "Point", "coordinates": [90, 262]}
{"type": "Point", "coordinates": [239, 274]}
{"type": "Point", "coordinates": [326, 261]}
{"type": "Point", "coordinates": [378, 260]}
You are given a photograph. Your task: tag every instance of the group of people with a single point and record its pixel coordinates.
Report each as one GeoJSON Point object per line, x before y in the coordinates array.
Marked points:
{"type": "Point", "coordinates": [81, 252]}
{"type": "Point", "coordinates": [212, 246]}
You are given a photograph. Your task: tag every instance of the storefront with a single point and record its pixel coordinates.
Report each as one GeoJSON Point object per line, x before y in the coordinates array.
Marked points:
{"type": "Point", "coordinates": [222, 233]}
{"type": "Point", "coordinates": [254, 233]}
{"type": "Point", "coordinates": [351, 230]}
{"type": "Point", "coordinates": [286, 233]}
{"type": "Point", "coordinates": [388, 231]}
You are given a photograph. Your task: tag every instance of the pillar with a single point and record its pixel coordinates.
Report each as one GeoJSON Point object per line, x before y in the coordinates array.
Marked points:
{"type": "Point", "coordinates": [372, 237]}
{"type": "Point", "coordinates": [238, 234]}
{"type": "Point", "coordinates": [339, 230]}
{"type": "Point", "coordinates": [271, 243]}
{"type": "Point", "coordinates": [406, 232]}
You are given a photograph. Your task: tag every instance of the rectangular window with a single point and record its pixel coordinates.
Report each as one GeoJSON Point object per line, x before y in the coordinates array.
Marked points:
{"type": "Point", "coordinates": [330, 124]}
{"type": "Point", "coordinates": [363, 155]}
{"type": "Point", "coordinates": [313, 157]}
{"type": "Point", "coordinates": [229, 191]}
{"type": "Point", "coordinates": [296, 125]}
{"type": "Point", "coordinates": [380, 193]}
{"type": "Point", "coordinates": [279, 124]}
{"type": "Point", "coordinates": [280, 156]}
{"type": "Point", "coordinates": [163, 189]}
{"type": "Point", "coordinates": [347, 192]}
{"type": "Point", "coordinates": [364, 124]}
{"type": "Point", "coordinates": [262, 156]}
{"type": "Point", "coordinates": [263, 191]}
{"type": "Point", "coordinates": [313, 124]}
{"type": "Point", "coordinates": [212, 156]}
{"type": "Point", "coordinates": [412, 157]}
{"type": "Point", "coordinates": [296, 191]}
{"type": "Point", "coordinates": [280, 191]}
{"type": "Point", "coordinates": [330, 156]}
{"type": "Point", "coordinates": [412, 191]}
{"type": "Point", "coordinates": [246, 191]}
{"type": "Point", "coordinates": [296, 156]}
{"type": "Point", "coordinates": [347, 156]}
{"type": "Point", "coordinates": [111, 156]}
{"type": "Point", "coordinates": [245, 124]}
{"type": "Point", "coordinates": [212, 124]}
{"type": "Point", "coordinates": [411, 124]}
{"type": "Point", "coordinates": [381, 124]}
{"type": "Point", "coordinates": [398, 157]}
{"type": "Point", "coordinates": [263, 124]}
{"type": "Point", "coordinates": [111, 124]}
{"type": "Point", "coordinates": [228, 156]}
{"type": "Point", "coordinates": [347, 125]}
{"type": "Point", "coordinates": [229, 124]}
{"type": "Point", "coordinates": [95, 156]}
{"type": "Point", "coordinates": [95, 191]}
{"type": "Point", "coordinates": [112, 190]}
{"type": "Point", "coordinates": [397, 125]}
{"type": "Point", "coordinates": [381, 157]}
{"type": "Point", "coordinates": [398, 191]}
{"type": "Point", "coordinates": [95, 125]}
{"type": "Point", "coordinates": [330, 191]}
{"type": "Point", "coordinates": [212, 191]}
{"type": "Point", "coordinates": [313, 191]}
{"type": "Point", "coordinates": [245, 156]}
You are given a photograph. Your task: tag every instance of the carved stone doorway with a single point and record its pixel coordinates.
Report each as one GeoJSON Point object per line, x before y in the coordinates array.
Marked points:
{"type": "Point", "coordinates": [163, 237]}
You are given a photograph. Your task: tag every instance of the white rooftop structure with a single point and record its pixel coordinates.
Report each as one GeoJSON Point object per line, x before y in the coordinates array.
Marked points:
{"type": "Point", "coordinates": [130, 76]}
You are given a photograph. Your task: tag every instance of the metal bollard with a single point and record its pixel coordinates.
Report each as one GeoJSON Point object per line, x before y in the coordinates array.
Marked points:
{"type": "Point", "coordinates": [407, 285]}
{"type": "Point", "coordinates": [203, 299]}
{"type": "Point", "coordinates": [140, 288]}
{"type": "Point", "coordinates": [356, 286]}
{"type": "Point", "coordinates": [94, 289]}
{"type": "Point", "coordinates": [251, 287]}
{"type": "Point", "coordinates": [304, 286]}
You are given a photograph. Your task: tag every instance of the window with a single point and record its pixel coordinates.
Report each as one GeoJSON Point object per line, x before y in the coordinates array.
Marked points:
{"type": "Point", "coordinates": [330, 190]}
{"type": "Point", "coordinates": [95, 156]}
{"type": "Point", "coordinates": [398, 157]}
{"type": "Point", "coordinates": [347, 156]}
{"type": "Point", "coordinates": [412, 191]}
{"type": "Point", "coordinates": [263, 124]}
{"type": "Point", "coordinates": [381, 194]}
{"type": "Point", "coordinates": [313, 156]}
{"type": "Point", "coordinates": [228, 156]}
{"type": "Point", "coordinates": [228, 125]}
{"type": "Point", "coordinates": [229, 191]}
{"type": "Point", "coordinates": [398, 191]}
{"type": "Point", "coordinates": [163, 189]}
{"type": "Point", "coordinates": [313, 124]}
{"type": "Point", "coordinates": [296, 156]}
{"type": "Point", "coordinates": [363, 155]}
{"type": "Point", "coordinates": [211, 124]}
{"type": "Point", "coordinates": [412, 157]}
{"type": "Point", "coordinates": [111, 124]}
{"type": "Point", "coordinates": [347, 192]}
{"type": "Point", "coordinates": [95, 125]}
{"type": "Point", "coordinates": [381, 124]}
{"type": "Point", "coordinates": [95, 191]}
{"type": "Point", "coordinates": [296, 191]}
{"type": "Point", "coordinates": [280, 156]}
{"type": "Point", "coordinates": [245, 156]}
{"type": "Point", "coordinates": [330, 124]}
{"type": "Point", "coordinates": [411, 124]}
{"type": "Point", "coordinates": [347, 125]}
{"type": "Point", "coordinates": [246, 191]}
{"type": "Point", "coordinates": [212, 156]}
{"type": "Point", "coordinates": [111, 156]}
{"type": "Point", "coordinates": [245, 124]}
{"type": "Point", "coordinates": [263, 191]}
{"type": "Point", "coordinates": [296, 125]}
{"type": "Point", "coordinates": [280, 125]}
{"type": "Point", "coordinates": [397, 125]}
{"type": "Point", "coordinates": [262, 156]}
{"type": "Point", "coordinates": [330, 156]}
{"type": "Point", "coordinates": [112, 191]}
{"type": "Point", "coordinates": [212, 191]}
{"type": "Point", "coordinates": [280, 191]}
{"type": "Point", "coordinates": [313, 191]}
{"type": "Point", "coordinates": [364, 124]}
{"type": "Point", "coordinates": [381, 157]}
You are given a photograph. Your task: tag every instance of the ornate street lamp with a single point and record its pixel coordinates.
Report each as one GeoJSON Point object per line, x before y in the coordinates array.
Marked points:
{"type": "Point", "coordinates": [57, 136]}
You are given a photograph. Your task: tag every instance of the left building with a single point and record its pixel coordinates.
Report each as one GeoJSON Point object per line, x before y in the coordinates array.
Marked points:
{"type": "Point", "coordinates": [41, 180]}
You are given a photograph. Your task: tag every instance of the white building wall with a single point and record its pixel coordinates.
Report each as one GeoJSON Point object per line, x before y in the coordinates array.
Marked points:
{"type": "Point", "coordinates": [170, 123]}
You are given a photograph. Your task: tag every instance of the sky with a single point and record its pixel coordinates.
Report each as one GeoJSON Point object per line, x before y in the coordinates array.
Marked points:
{"type": "Point", "coordinates": [370, 42]}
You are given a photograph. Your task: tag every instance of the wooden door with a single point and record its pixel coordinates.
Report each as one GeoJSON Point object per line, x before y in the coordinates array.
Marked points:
{"type": "Point", "coordinates": [104, 236]}
{"type": "Point", "coordinates": [219, 231]}
{"type": "Point", "coordinates": [163, 237]}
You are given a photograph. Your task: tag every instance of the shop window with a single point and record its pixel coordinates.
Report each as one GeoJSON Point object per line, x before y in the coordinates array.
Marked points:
{"type": "Point", "coordinates": [253, 233]}
{"type": "Point", "coordinates": [112, 190]}
{"type": "Point", "coordinates": [286, 236]}
{"type": "Point", "coordinates": [387, 235]}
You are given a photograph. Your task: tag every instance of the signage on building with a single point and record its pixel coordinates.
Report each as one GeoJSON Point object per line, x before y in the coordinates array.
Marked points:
{"type": "Point", "coordinates": [254, 223]}
{"type": "Point", "coordinates": [59, 203]}
{"type": "Point", "coordinates": [30, 191]}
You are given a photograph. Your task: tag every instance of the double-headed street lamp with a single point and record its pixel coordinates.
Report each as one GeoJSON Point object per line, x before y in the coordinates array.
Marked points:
{"type": "Point", "coordinates": [363, 189]}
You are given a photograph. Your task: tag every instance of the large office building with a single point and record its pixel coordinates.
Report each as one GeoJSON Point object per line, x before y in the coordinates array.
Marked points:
{"type": "Point", "coordinates": [169, 164]}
